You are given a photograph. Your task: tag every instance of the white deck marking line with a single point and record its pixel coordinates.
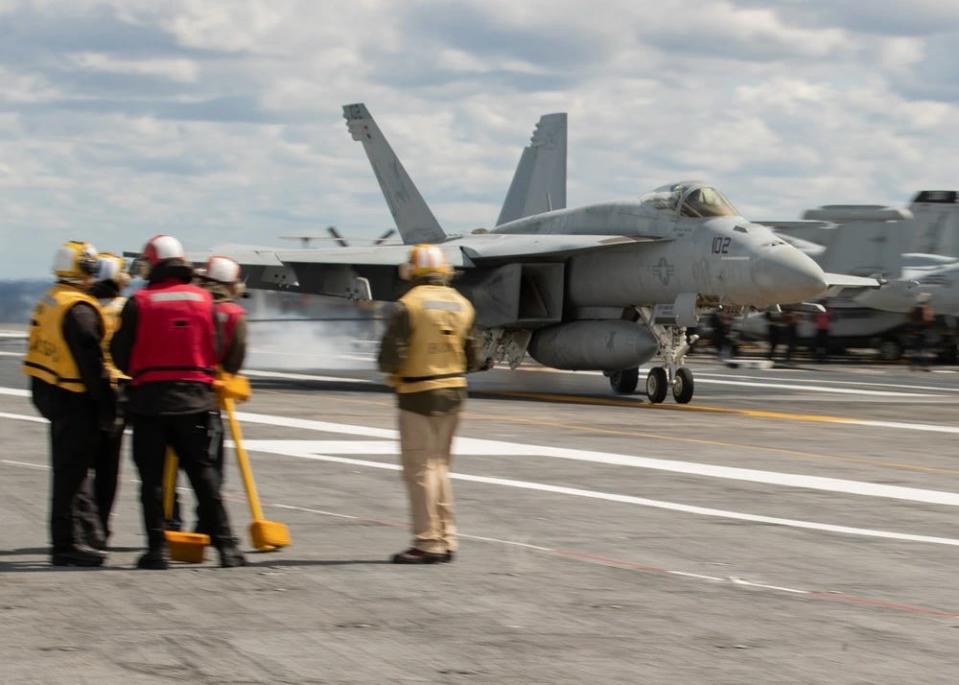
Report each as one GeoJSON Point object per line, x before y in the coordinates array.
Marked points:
{"type": "Point", "coordinates": [698, 575]}
{"type": "Point", "coordinates": [303, 376]}
{"type": "Point", "coordinates": [463, 447]}
{"type": "Point", "coordinates": [709, 374]}
{"type": "Point", "coordinates": [820, 388]}
{"type": "Point", "coordinates": [741, 581]}
{"type": "Point", "coordinates": [39, 467]}
{"type": "Point", "coordinates": [615, 563]}
{"type": "Point", "coordinates": [482, 447]}
{"type": "Point", "coordinates": [290, 451]}
{"type": "Point", "coordinates": [22, 417]}
{"type": "Point", "coordinates": [14, 392]}
{"type": "Point", "coordinates": [11, 354]}
{"type": "Point", "coordinates": [733, 376]}
{"type": "Point", "coordinates": [289, 448]}
{"type": "Point", "coordinates": [13, 334]}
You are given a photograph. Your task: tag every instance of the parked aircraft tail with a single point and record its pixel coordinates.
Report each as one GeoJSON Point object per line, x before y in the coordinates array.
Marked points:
{"type": "Point", "coordinates": [413, 217]}
{"type": "Point", "coordinates": [539, 183]}
{"type": "Point", "coordinates": [937, 222]}
{"type": "Point", "coordinates": [868, 240]}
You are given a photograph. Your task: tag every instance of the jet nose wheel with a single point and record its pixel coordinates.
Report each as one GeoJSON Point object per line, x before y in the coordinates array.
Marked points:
{"type": "Point", "coordinates": [657, 384]}
{"type": "Point", "coordinates": [624, 382]}
{"type": "Point", "coordinates": [683, 385]}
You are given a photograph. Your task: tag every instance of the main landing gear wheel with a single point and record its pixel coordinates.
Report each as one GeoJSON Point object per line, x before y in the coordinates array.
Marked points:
{"type": "Point", "coordinates": [624, 382]}
{"type": "Point", "coordinates": [657, 384]}
{"type": "Point", "coordinates": [683, 385]}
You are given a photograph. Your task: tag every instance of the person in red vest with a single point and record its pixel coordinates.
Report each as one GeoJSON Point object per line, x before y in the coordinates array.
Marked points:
{"type": "Point", "coordinates": [221, 278]}
{"type": "Point", "coordinates": [823, 322]}
{"type": "Point", "coordinates": [167, 343]}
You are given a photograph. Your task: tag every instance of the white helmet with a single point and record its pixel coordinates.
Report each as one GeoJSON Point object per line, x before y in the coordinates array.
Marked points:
{"type": "Point", "coordinates": [159, 248]}
{"type": "Point", "coordinates": [222, 270]}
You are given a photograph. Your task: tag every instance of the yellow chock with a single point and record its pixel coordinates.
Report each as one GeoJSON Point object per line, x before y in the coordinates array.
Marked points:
{"type": "Point", "coordinates": [265, 535]}
{"type": "Point", "coordinates": [188, 547]}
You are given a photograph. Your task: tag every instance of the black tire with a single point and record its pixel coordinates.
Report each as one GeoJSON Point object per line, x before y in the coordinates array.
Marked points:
{"type": "Point", "coordinates": [624, 382]}
{"type": "Point", "coordinates": [657, 385]}
{"type": "Point", "coordinates": [683, 385]}
{"type": "Point", "coordinates": [890, 350]}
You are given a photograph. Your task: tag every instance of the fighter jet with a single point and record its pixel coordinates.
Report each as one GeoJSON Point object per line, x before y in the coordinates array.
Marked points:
{"type": "Point", "coordinates": [604, 287]}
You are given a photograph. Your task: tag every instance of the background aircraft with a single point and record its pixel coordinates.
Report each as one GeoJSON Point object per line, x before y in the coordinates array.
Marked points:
{"type": "Point", "coordinates": [886, 241]}
{"type": "Point", "coordinates": [604, 287]}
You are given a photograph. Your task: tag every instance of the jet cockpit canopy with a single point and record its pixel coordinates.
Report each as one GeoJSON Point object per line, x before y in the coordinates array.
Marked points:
{"type": "Point", "coordinates": [689, 198]}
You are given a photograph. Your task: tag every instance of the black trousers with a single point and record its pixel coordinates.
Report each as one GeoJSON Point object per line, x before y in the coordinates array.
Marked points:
{"type": "Point", "coordinates": [74, 441]}
{"type": "Point", "coordinates": [194, 438]}
{"type": "Point", "coordinates": [106, 467]}
{"type": "Point", "coordinates": [202, 526]}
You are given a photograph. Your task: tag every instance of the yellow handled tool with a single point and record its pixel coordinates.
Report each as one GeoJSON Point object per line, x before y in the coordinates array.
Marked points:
{"type": "Point", "coordinates": [265, 535]}
{"type": "Point", "coordinates": [189, 547]}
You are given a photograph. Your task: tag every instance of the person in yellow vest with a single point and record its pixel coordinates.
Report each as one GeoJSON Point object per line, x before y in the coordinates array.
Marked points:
{"type": "Point", "coordinates": [71, 388]}
{"type": "Point", "coordinates": [427, 349]}
{"type": "Point", "coordinates": [110, 280]}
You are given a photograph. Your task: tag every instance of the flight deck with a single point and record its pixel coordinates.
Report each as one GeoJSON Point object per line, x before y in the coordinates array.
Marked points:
{"type": "Point", "coordinates": [791, 525]}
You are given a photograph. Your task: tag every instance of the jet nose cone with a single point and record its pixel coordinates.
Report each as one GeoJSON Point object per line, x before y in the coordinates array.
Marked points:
{"type": "Point", "coordinates": [787, 276]}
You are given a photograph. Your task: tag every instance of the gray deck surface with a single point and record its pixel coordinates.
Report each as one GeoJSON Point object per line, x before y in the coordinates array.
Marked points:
{"type": "Point", "coordinates": [572, 569]}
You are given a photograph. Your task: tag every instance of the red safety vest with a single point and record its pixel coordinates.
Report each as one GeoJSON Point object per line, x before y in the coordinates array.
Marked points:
{"type": "Point", "coordinates": [175, 337]}
{"type": "Point", "coordinates": [228, 315]}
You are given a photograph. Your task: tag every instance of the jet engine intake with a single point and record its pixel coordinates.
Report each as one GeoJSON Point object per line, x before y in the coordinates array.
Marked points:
{"type": "Point", "coordinates": [593, 345]}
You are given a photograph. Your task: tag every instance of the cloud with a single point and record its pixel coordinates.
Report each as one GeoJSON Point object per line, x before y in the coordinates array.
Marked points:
{"type": "Point", "coordinates": [221, 122]}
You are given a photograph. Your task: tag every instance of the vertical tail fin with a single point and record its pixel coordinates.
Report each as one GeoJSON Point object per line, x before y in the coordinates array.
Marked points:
{"type": "Point", "coordinates": [868, 240]}
{"type": "Point", "coordinates": [539, 183]}
{"type": "Point", "coordinates": [413, 217]}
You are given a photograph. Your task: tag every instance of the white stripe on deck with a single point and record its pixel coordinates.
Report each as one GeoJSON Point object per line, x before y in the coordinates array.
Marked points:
{"type": "Point", "coordinates": [820, 388]}
{"type": "Point", "coordinates": [464, 446]}
{"type": "Point", "coordinates": [303, 449]}
{"type": "Point", "coordinates": [288, 449]}
{"type": "Point", "coordinates": [257, 373]}
{"type": "Point", "coordinates": [706, 378]}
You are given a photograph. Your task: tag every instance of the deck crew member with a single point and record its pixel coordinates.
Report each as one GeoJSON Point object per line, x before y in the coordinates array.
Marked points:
{"type": "Point", "coordinates": [166, 343]}
{"type": "Point", "coordinates": [426, 350]}
{"type": "Point", "coordinates": [71, 388]}
{"type": "Point", "coordinates": [221, 277]}
{"type": "Point", "coordinates": [109, 282]}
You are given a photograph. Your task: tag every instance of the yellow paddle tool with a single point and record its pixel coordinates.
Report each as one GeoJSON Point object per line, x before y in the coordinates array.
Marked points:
{"type": "Point", "coordinates": [265, 535]}
{"type": "Point", "coordinates": [189, 547]}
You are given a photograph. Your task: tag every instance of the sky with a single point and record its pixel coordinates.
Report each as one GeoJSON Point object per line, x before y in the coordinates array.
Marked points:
{"type": "Point", "coordinates": [219, 121]}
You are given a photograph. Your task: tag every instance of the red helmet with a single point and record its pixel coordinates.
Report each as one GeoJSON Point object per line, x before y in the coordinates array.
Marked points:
{"type": "Point", "coordinates": [159, 248]}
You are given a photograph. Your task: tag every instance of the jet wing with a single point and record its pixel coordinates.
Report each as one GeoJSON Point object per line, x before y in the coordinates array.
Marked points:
{"type": "Point", "coordinates": [836, 283]}
{"type": "Point", "coordinates": [494, 248]}
{"type": "Point", "coordinates": [371, 272]}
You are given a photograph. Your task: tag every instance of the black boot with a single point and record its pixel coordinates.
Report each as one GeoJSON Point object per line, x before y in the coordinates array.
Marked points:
{"type": "Point", "coordinates": [157, 559]}
{"type": "Point", "coordinates": [230, 556]}
{"type": "Point", "coordinates": [418, 556]}
{"type": "Point", "coordinates": [77, 555]}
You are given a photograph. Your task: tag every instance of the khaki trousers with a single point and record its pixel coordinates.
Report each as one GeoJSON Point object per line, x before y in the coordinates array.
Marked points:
{"type": "Point", "coordinates": [425, 443]}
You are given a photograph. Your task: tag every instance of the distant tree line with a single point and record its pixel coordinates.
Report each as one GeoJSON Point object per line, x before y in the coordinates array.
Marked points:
{"type": "Point", "coordinates": [17, 299]}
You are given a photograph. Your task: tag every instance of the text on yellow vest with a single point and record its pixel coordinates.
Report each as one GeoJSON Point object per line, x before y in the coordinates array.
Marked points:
{"type": "Point", "coordinates": [48, 356]}
{"type": "Point", "coordinates": [440, 319]}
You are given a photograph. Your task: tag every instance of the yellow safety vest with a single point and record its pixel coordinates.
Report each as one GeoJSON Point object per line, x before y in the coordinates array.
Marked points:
{"type": "Point", "coordinates": [48, 356]}
{"type": "Point", "coordinates": [111, 308]}
{"type": "Point", "coordinates": [440, 320]}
